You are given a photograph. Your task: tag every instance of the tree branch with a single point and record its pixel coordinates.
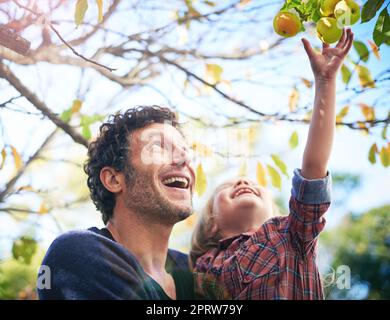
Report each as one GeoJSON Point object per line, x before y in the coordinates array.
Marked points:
{"type": "Point", "coordinates": [7, 74]}
{"type": "Point", "coordinates": [9, 186]}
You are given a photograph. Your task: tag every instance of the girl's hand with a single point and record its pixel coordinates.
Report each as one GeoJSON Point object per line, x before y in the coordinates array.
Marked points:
{"type": "Point", "coordinates": [326, 64]}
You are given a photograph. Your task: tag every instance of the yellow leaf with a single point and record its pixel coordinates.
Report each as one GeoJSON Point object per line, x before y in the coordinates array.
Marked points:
{"type": "Point", "coordinates": [294, 140]}
{"type": "Point", "coordinates": [276, 180]}
{"type": "Point", "coordinates": [307, 83]}
{"type": "Point", "coordinates": [365, 77]}
{"type": "Point", "coordinates": [308, 115]}
{"type": "Point", "coordinates": [375, 49]}
{"type": "Point", "coordinates": [26, 188]}
{"type": "Point", "coordinates": [17, 158]}
{"type": "Point", "coordinates": [100, 9]}
{"type": "Point", "coordinates": [3, 156]}
{"type": "Point", "coordinates": [200, 181]}
{"type": "Point", "coordinates": [202, 149]}
{"type": "Point", "coordinates": [243, 172]}
{"type": "Point", "coordinates": [368, 112]}
{"type": "Point", "coordinates": [243, 3]}
{"type": "Point", "coordinates": [213, 72]}
{"type": "Point", "coordinates": [343, 112]}
{"type": "Point", "coordinates": [293, 100]}
{"type": "Point", "coordinates": [384, 155]}
{"type": "Point", "coordinates": [362, 125]}
{"type": "Point", "coordinates": [76, 106]}
{"type": "Point", "coordinates": [81, 9]}
{"type": "Point", "coordinates": [43, 209]}
{"type": "Point", "coordinates": [252, 135]}
{"type": "Point", "coordinates": [260, 175]}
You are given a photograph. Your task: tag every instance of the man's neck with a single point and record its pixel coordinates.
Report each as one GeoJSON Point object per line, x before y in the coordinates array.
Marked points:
{"type": "Point", "coordinates": [148, 242]}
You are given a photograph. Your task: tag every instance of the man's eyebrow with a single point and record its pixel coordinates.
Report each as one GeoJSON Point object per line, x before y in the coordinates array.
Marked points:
{"type": "Point", "coordinates": [153, 134]}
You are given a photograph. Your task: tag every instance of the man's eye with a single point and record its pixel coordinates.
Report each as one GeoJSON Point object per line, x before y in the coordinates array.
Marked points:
{"type": "Point", "coordinates": [157, 143]}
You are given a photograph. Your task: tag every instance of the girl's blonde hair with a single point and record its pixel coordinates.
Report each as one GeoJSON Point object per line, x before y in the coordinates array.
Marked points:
{"type": "Point", "coordinates": [203, 238]}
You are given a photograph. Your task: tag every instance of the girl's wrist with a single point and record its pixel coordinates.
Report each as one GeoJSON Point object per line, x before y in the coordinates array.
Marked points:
{"type": "Point", "coordinates": [325, 79]}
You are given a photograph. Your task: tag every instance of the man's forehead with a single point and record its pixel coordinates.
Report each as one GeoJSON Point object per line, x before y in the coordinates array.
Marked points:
{"type": "Point", "coordinates": [162, 131]}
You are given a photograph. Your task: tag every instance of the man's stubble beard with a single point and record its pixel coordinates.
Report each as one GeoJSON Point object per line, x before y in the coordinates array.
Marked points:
{"type": "Point", "coordinates": [145, 200]}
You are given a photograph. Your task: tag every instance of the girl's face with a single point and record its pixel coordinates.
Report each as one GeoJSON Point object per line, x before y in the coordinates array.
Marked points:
{"type": "Point", "coordinates": [240, 205]}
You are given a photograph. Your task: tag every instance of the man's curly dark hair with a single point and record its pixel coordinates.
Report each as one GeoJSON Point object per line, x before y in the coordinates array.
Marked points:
{"type": "Point", "coordinates": [113, 148]}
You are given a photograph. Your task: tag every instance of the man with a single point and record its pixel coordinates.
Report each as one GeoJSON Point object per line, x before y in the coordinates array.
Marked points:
{"type": "Point", "coordinates": [141, 179]}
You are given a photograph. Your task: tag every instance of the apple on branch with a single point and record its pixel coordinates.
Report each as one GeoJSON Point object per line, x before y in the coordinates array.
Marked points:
{"type": "Point", "coordinates": [287, 24]}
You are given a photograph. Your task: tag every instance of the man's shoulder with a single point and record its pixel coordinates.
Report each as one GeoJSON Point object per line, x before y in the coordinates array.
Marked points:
{"type": "Point", "coordinates": [82, 247]}
{"type": "Point", "coordinates": [77, 240]}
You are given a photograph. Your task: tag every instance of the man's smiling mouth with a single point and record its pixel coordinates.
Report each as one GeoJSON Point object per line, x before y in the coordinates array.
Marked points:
{"type": "Point", "coordinates": [179, 182]}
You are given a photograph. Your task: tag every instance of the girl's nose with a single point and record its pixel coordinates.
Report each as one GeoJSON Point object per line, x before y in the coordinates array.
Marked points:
{"type": "Point", "coordinates": [242, 181]}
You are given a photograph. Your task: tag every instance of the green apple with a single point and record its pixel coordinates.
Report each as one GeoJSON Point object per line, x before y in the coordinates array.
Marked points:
{"type": "Point", "coordinates": [328, 30]}
{"type": "Point", "coordinates": [287, 24]}
{"type": "Point", "coordinates": [347, 13]}
{"type": "Point", "coordinates": [327, 7]}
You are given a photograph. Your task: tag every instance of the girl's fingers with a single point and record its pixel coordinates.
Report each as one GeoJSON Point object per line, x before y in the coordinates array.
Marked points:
{"type": "Point", "coordinates": [325, 46]}
{"type": "Point", "coordinates": [309, 50]}
{"type": "Point", "coordinates": [341, 42]}
{"type": "Point", "coordinates": [349, 43]}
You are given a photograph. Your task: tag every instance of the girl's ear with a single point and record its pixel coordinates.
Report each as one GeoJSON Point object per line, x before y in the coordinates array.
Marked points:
{"type": "Point", "coordinates": [214, 227]}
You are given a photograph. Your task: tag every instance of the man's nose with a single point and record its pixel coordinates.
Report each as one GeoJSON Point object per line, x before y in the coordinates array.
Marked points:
{"type": "Point", "coordinates": [180, 157]}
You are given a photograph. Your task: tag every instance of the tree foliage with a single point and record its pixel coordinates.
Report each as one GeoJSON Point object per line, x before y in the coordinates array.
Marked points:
{"type": "Point", "coordinates": [362, 242]}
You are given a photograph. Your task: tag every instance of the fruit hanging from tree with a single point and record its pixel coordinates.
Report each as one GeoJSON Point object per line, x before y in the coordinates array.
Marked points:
{"type": "Point", "coordinates": [329, 16]}
{"type": "Point", "coordinates": [287, 24]}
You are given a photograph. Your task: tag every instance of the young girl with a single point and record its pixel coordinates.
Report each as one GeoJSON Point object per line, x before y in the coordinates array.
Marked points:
{"type": "Point", "coordinates": [240, 249]}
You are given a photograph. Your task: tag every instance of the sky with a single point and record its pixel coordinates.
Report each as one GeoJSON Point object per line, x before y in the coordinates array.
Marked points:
{"type": "Point", "coordinates": [59, 85]}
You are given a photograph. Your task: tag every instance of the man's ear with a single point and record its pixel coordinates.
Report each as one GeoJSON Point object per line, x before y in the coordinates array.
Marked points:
{"type": "Point", "coordinates": [112, 179]}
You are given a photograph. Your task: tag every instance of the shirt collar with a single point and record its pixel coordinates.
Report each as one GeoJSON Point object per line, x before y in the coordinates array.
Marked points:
{"type": "Point", "coordinates": [225, 242]}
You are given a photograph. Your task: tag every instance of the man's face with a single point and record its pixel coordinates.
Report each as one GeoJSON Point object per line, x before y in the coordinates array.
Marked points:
{"type": "Point", "coordinates": [162, 181]}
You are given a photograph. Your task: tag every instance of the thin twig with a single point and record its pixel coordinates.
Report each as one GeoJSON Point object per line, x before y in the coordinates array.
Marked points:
{"type": "Point", "coordinates": [75, 52]}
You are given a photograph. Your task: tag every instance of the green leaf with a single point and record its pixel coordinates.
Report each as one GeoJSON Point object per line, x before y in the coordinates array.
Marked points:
{"type": "Point", "coordinates": [362, 50]}
{"type": "Point", "coordinates": [294, 140]}
{"type": "Point", "coordinates": [86, 132]}
{"type": "Point", "coordinates": [372, 153]}
{"type": "Point", "coordinates": [382, 28]}
{"type": "Point", "coordinates": [384, 132]}
{"type": "Point", "coordinates": [345, 74]}
{"type": "Point", "coordinates": [66, 115]}
{"type": "Point", "coordinates": [87, 120]}
{"type": "Point", "coordinates": [24, 248]}
{"type": "Point", "coordinates": [370, 8]}
{"type": "Point", "coordinates": [276, 180]}
{"type": "Point", "coordinates": [81, 9]}
{"type": "Point", "coordinates": [280, 164]}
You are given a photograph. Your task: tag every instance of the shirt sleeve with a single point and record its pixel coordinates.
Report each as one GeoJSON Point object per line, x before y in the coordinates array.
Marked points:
{"type": "Point", "coordinates": [310, 199]}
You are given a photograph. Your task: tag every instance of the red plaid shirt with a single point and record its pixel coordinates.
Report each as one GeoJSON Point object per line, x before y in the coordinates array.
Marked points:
{"type": "Point", "coordinates": [276, 261]}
